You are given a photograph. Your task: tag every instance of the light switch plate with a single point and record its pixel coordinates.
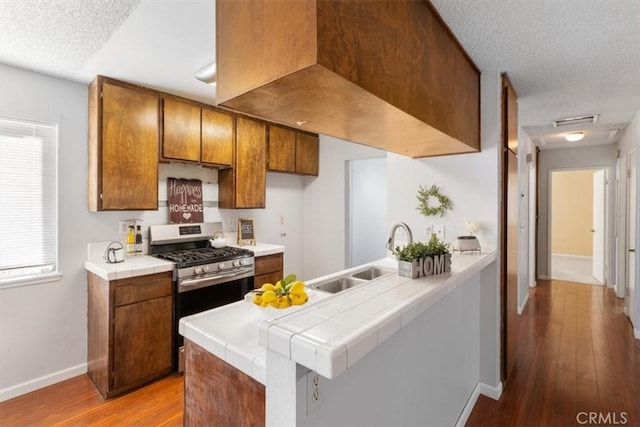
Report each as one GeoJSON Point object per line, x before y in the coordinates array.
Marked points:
{"type": "Point", "coordinates": [439, 230]}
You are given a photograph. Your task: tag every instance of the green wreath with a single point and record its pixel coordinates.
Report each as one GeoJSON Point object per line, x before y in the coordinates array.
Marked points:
{"type": "Point", "coordinates": [444, 204]}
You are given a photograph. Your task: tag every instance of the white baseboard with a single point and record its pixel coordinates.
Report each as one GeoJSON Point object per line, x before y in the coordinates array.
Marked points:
{"type": "Point", "coordinates": [543, 277]}
{"type": "Point", "coordinates": [522, 306]}
{"type": "Point", "coordinates": [533, 284]}
{"type": "Point", "coordinates": [44, 381]}
{"type": "Point", "coordinates": [636, 333]}
{"type": "Point", "coordinates": [573, 256]}
{"type": "Point", "coordinates": [481, 388]}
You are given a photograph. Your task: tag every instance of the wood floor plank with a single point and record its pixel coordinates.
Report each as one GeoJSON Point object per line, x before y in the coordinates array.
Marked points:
{"type": "Point", "coordinates": [576, 353]}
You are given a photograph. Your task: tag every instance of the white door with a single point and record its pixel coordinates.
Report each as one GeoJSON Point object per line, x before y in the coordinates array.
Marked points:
{"type": "Point", "coordinates": [598, 225]}
{"type": "Point", "coordinates": [631, 239]}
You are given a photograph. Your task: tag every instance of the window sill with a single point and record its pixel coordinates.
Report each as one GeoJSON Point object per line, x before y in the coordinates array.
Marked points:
{"type": "Point", "coordinates": [30, 280]}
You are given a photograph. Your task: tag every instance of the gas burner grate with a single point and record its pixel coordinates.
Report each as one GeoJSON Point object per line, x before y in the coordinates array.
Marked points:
{"type": "Point", "coordinates": [191, 257]}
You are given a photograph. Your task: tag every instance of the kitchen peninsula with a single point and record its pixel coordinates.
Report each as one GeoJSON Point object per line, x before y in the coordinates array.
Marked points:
{"type": "Point", "coordinates": [393, 351]}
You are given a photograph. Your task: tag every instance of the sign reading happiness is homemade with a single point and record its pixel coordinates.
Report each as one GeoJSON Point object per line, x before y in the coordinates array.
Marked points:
{"type": "Point", "coordinates": [185, 200]}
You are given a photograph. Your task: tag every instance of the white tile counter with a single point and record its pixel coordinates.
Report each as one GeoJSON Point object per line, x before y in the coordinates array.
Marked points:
{"type": "Point", "coordinates": [331, 336]}
{"type": "Point", "coordinates": [131, 267]}
{"type": "Point", "coordinates": [230, 333]}
{"type": "Point", "coordinates": [262, 249]}
{"type": "Point", "coordinates": [332, 331]}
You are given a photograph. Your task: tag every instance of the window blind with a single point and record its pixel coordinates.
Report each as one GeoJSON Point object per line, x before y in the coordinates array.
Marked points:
{"type": "Point", "coordinates": [28, 199]}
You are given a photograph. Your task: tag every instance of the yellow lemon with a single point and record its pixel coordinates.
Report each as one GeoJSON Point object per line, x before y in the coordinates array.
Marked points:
{"type": "Point", "coordinates": [284, 302]}
{"type": "Point", "coordinates": [267, 287]}
{"type": "Point", "coordinates": [263, 304]}
{"type": "Point", "coordinates": [298, 298]}
{"type": "Point", "coordinates": [297, 287]}
{"type": "Point", "coordinates": [257, 299]}
{"type": "Point", "coordinates": [269, 296]}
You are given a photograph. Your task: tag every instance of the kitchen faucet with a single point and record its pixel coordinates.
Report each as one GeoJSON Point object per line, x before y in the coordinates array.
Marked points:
{"type": "Point", "coordinates": [392, 234]}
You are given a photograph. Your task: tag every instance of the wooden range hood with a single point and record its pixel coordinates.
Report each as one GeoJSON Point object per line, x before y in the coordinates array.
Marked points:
{"type": "Point", "coordinates": [387, 74]}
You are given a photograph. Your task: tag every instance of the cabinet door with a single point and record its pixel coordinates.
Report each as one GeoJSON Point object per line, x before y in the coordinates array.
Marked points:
{"type": "Point", "coordinates": [218, 132]}
{"type": "Point", "coordinates": [141, 341]}
{"type": "Point", "coordinates": [307, 153]}
{"type": "Point", "coordinates": [251, 163]}
{"type": "Point", "coordinates": [282, 149]}
{"type": "Point", "coordinates": [129, 149]}
{"type": "Point", "coordinates": [181, 140]}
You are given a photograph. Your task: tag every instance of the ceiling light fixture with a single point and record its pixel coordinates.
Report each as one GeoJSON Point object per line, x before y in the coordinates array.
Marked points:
{"type": "Point", "coordinates": [574, 136]}
{"type": "Point", "coordinates": [207, 74]}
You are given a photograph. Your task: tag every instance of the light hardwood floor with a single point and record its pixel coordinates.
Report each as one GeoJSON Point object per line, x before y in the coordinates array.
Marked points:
{"type": "Point", "coordinates": [576, 354]}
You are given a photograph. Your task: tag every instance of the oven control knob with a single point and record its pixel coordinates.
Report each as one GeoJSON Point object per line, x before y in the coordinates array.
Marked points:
{"type": "Point", "coordinates": [220, 266]}
{"type": "Point", "coordinates": [206, 268]}
{"type": "Point", "coordinates": [241, 262]}
{"type": "Point", "coordinates": [197, 270]}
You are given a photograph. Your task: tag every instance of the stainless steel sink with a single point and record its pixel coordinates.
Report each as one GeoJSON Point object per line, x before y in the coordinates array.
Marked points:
{"type": "Point", "coordinates": [336, 285]}
{"type": "Point", "coordinates": [372, 273]}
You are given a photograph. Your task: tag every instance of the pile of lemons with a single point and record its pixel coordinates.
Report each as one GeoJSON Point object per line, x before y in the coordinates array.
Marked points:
{"type": "Point", "coordinates": [283, 294]}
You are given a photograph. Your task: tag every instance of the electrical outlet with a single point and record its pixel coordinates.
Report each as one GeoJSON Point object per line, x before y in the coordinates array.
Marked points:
{"type": "Point", "coordinates": [313, 391]}
{"type": "Point", "coordinates": [439, 230]}
{"type": "Point", "coordinates": [428, 231]}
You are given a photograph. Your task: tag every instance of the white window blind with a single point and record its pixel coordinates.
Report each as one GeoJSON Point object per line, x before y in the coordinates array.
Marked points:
{"type": "Point", "coordinates": [28, 200]}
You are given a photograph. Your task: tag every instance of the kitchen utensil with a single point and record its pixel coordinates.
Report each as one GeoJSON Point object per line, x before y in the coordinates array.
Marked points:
{"type": "Point", "coordinates": [218, 241]}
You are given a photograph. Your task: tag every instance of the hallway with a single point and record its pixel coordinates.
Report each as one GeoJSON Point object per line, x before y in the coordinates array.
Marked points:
{"type": "Point", "coordinates": [576, 353]}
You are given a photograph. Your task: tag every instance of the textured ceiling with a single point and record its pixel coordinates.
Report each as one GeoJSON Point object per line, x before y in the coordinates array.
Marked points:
{"type": "Point", "coordinates": [58, 36]}
{"type": "Point", "coordinates": [564, 57]}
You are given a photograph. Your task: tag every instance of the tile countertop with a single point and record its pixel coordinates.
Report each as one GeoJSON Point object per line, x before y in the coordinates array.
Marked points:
{"type": "Point", "coordinates": [143, 265]}
{"type": "Point", "coordinates": [332, 331]}
{"type": "Point", "coordinates": [230, 333]}
{"type": "Point", "coordinates": [262, 249]}
{"type": "Point", "coordinates": [131, 267]}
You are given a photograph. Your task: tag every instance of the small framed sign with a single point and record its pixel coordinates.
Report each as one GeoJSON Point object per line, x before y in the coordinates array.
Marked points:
{"type": "Point", "coordinates": [246, 234]}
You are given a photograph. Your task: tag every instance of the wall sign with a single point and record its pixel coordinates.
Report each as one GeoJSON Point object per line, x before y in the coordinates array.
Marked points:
{"type": "Point", "coordinates": [246, 233]}
{"type": "Point", "coordinates": [185, 200]}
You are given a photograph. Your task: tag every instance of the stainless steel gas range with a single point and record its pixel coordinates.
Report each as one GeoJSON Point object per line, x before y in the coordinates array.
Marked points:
{"type": "Point", "coordinates": [203, 277]}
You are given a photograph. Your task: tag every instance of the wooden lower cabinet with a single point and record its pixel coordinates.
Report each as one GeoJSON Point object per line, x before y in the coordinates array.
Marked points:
{"type": "Point", "coordinates": [268, 269]}
{"type": "Point", "coordinates": [129, 331]}
{"type": "Point", "coordinates": [217, 394]}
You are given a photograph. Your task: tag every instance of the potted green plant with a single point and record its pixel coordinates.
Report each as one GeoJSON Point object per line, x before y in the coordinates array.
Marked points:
{"type": "Point", "coordinates": [420, 259]}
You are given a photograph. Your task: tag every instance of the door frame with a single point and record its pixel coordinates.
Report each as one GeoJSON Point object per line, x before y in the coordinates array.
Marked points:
{"type": "Point", "coordinates": [608, 259]}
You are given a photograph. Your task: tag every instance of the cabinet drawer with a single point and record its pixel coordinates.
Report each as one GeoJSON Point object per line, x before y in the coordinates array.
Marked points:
{"type": "Point", "coordinates": [267, 278]}
{"type": "Point", "coordinates": [136, 289]}
{"type": "Point", "coordinates": [268, 264]}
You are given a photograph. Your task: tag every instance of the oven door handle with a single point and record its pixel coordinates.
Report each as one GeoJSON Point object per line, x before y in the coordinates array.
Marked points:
{"type": "Point", "coordinates": [214, 279]}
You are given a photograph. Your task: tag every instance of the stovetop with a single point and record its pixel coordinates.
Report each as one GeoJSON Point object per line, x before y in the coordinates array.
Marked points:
{"type": "Point", "coordinates": [199, 256]}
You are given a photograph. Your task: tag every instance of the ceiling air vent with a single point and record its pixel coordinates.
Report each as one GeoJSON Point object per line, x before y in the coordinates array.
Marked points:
{"type": "Point", "coordinates": [570, 121]}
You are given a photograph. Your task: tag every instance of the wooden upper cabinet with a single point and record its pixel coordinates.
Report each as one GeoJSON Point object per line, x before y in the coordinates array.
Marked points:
{"type": "Point", "coordinates": [124, 135]}
{"type": "Point", "coordinates": [218, 135]}
{"type": "Point", "coordinates": [244, 186]}
{"type": "Point", "coordinates": [181, 140]}
{"type": "Point", "coordinates": [292, 151]}
{"type": "Point", "coordinates": [405, 86]}
{"type": "Point", "coordinates": [282, 149]}
{"type": "Point", "coordinates": [307, 153]}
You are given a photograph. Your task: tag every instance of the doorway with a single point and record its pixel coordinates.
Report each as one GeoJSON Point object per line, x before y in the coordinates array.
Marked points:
{"type": "Point", "coordinates": [630, 294]}
{"type": "Point", "coordinates": [578, 225]}
{"type": "Point", "coordinates": [366, 221]}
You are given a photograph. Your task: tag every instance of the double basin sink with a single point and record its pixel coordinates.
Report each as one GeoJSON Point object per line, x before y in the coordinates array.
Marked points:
{"type": "Point", "coordinates": [350, 280]}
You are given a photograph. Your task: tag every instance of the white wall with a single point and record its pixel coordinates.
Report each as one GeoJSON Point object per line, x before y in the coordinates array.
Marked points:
{"type": "Point", "coordinates": [525, 147]}
{"type": "Point", "coordinates": [603, 156]}
{"type": "Point", "coordinates": [43, 328]}
{"type": "Point", "coordinates": [324, 207]}
{"type": "Point", "coordinates": [423, 375]}
{"type": "Point", "coordinates": [629, 142]}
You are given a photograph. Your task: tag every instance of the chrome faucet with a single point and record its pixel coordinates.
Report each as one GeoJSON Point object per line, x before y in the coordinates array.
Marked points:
{"type": "Point", "coordinates": [392, 234]}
